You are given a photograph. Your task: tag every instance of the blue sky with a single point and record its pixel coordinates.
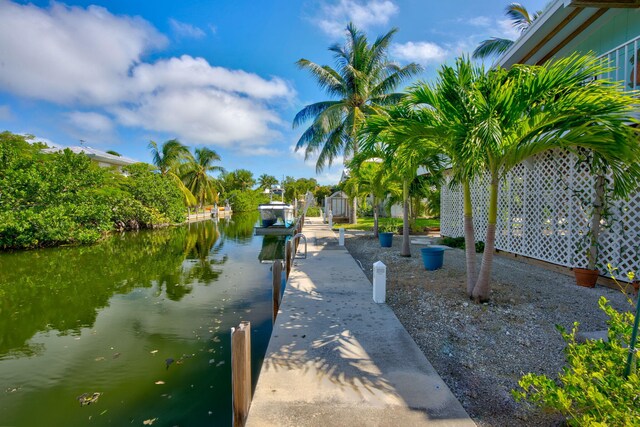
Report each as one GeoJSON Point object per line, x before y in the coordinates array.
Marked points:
{"type": "Point", "coordinates": [221, 74]}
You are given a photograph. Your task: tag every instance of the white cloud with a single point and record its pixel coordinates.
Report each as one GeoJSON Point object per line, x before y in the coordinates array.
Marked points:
{"type": "Point", "coordinates": [364, 14]}
{"type": "Point", "coordinates": [90, 121]}
{"type": "Point", "coordinates": [5, 113]}
{"type": "Point", "coordinates": [499, 27]}
{"type": "Point", "coordinates": [480, 21]}
{"type": "Point", "coordinates": [260, 151]}
{"type": "Point", "coordinates": [207, 116]}
{"type": "Point", "coordinates": [184, 30]}
{"type": "Point", "coordinates": [92, 58]}
{"type": "Point", "coordinates": [188, 72]}
{"type": "Point", "coordinates": [69, 54]}
{"type": "Point", "coordinates": [47, 141]}
{"type": "Point", "coordinates": [421, 52]}
{"type": "Point", "coordinates": [506, 29]}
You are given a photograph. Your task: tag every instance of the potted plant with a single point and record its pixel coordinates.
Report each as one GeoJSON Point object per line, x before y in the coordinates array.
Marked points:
{"type": "Point", "coordinates": [588, 276]}
{"type": "Point", "coordinates": [385, 234]}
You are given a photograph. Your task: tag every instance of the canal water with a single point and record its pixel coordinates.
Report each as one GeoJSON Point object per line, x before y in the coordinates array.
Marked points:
{"type": "Point", "coordinates": [137, 327]}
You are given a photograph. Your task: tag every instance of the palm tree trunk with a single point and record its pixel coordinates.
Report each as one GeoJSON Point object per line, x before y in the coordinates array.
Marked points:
{"type": "Point", "coordinates": [598, 205]}
{"type": "Point", "coordinates": [376, 215]}
{"type": "Point", "coordinates": [469, 239]}
{"type": "Point", "coordinates": [483, 286]}
{"type": "Point", "coordinates": [354, 211]}
{"type": "Point", "coordinates": [406, 249]}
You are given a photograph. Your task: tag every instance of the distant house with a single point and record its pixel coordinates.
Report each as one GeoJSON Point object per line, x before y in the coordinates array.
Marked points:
{"type": "Point", "coordinates": [539, 214]}
{"type": "Point", "coordinates": [102, 158]}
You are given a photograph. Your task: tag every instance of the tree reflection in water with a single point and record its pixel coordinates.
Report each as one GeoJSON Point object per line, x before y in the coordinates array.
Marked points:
{"type": "Point", "coordinates": [63, 288]}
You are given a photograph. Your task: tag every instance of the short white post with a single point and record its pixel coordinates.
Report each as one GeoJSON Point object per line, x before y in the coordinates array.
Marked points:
{"type": "Point", "coordinates": [379, 282]}
{"type": "Point", "coordinates": [330, 219]}
{"type": "Point", "coordinates": [341, 238]}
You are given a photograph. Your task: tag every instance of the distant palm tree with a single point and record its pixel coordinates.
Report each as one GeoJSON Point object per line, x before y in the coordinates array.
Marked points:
{"type": "Point", "coordinates": [244, 179]}
{"type": "Point", "coordinates": [363, 80]}
{"type": "Point", "coordinates": [195, 175]}
{"type": "Point", "coordinates": [267, 181]}
{"type": "Point", "coordinates": [168, 159]}
{"type": "Point", "coordinates": [373, 178]}
{"type": "Point", "coordinates": [521, 20]}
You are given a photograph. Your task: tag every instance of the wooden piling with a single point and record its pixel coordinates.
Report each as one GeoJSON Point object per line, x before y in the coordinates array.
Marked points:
{"type": "Point", "coordinates": [277, 284]}
{"type": "Point", "coordinates": [288, 257]}
{"type": "Point", "coordinates": [241, 372]}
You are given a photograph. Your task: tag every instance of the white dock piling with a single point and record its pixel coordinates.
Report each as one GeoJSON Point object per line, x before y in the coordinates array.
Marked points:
{"type": "Point", "coordinates": [379, 282]}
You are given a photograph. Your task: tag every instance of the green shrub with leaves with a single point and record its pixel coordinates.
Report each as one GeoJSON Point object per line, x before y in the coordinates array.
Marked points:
{"type": "Point", "coordinates": [246, 200]}
{"type": "Point", "coordinates": [313, 211]}
{"type": "Point", "coordinates": [458, 242]}
{"type": "Point", "coordinates": [65, 198]}
{"type": "Point", "coordinates": [592, 389]}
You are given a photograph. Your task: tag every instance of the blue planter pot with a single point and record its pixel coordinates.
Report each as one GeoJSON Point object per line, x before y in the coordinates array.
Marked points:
{"type": "Point", "coordinates": [432, 258]}
{"type": "Point", "coordinates": [386, 239]}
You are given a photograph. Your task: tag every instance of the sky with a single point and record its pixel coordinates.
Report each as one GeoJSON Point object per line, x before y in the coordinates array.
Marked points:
{"type": "Point", "coordinates": [217, 73]}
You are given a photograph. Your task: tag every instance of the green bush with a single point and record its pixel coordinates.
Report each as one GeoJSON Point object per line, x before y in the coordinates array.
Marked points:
{"type": "Point", "coordinates": [246, 200]}
{"type": "Point", "coordinates": [592, 389]}
{"type": "Point", "coordinates": [158, 192]}
{"type": "Point", "coordinates": [313, 211]}
{"type": "Point", "coordinates": [65, 198]}
{"type": "Point", "coordinates": [458, 242]}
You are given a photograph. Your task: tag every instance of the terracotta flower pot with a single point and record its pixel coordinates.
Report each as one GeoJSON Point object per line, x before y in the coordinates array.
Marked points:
{"type": "Point", "coordinates": [586, 277]}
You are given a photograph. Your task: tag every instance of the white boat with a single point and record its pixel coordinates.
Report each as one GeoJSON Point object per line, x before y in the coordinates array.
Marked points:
{"type": "Point", "coordinates": [276, 214]}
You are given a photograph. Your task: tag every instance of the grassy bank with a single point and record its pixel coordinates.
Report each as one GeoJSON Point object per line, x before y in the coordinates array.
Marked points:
{"type": "Point", "coordinates": [366, 224]}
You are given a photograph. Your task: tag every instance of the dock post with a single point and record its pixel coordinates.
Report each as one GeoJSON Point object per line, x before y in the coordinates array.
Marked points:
{"type": "Point", "coordinates": [288, 257]}
{"type": "Point", "coordinates": [277, 284]}
{"type": "Point", "coordinates": [379, 282]}
{"type": "Point", "coordinates": [241, 372]}
{"type": "Point", "coordinates": [341, 238]}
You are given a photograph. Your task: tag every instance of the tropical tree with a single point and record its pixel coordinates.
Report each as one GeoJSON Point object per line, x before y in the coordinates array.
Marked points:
{"type": "Point", "coordinates": [195, 175]}
{"type": "Point", "coordinates": [402, 154]}
{"type": "Point", "coordinates": [239, 179]}
{"type": "Point", "coordinates": [373, 178]}
{"type": "Point", "coordinates": [168, 158]}
{"type": "Point", "coordinates": [518, 113]}
{"type": "Point", "coordinates": [521, 19]}
{"type": "Point", "coordinates": [362, 81]}
{"type": "Point", "coordinates": [527, 110]}
{"type": "Point", "coordinates": [444, 119]}
{"type": "Point", "coordinates": [267, 181]}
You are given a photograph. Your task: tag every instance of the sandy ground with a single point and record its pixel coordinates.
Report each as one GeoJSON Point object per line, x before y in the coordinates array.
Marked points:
{"type": "Point", "coordinates": [481, 350]}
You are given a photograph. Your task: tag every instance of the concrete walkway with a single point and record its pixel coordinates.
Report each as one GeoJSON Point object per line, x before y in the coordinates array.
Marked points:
{"type": "Point", "coordinates": [338, 359]}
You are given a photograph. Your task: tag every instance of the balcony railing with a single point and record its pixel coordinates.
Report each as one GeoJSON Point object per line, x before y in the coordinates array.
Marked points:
{"type": "Point", "coordinates": [625, 60]}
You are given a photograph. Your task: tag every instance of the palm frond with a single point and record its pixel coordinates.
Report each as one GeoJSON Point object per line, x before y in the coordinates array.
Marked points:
{"type": "Point", "coordinates": [491, 47]}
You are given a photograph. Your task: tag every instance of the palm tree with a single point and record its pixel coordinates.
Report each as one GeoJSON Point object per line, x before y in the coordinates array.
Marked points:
{"type": "Point", "coordinates": [506, 117]}
{"type": "Point", "coordinates": [521, 20]}
{"type": "Point", "coordinates": [444, 119]}
{"type": "Point", "coordinates": [528, 110]}
{"type": "Point", "coordinates": [168, 158]}
{"type": "Point", "coordinates": [195, 175]}
{"type": "Point", "coordinates": [401, 153]}
{"type": "Point", "coordinates": [267, 181]}
{"type": "Point", "coordinates": [373, 178]}
{"type": "Point", "coordinates": [363, 81]}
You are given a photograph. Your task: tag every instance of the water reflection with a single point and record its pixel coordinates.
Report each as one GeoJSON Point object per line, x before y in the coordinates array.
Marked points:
{"type": "Point", "coordinates": [239, 227]}
{"type": "Point", "coordinates": [64, 288]}
{"type": "Point", "coordinates": [273, 247]}
{"type": "Point", "coordinates": [106, 318]}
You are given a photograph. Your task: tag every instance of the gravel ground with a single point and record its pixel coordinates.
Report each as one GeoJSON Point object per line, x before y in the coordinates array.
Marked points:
{"type": "Point", "coordinates": [481, 351]}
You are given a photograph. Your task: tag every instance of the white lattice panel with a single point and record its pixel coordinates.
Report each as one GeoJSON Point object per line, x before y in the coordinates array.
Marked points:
{"type": "Point", "coordinates": [544, 213]}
